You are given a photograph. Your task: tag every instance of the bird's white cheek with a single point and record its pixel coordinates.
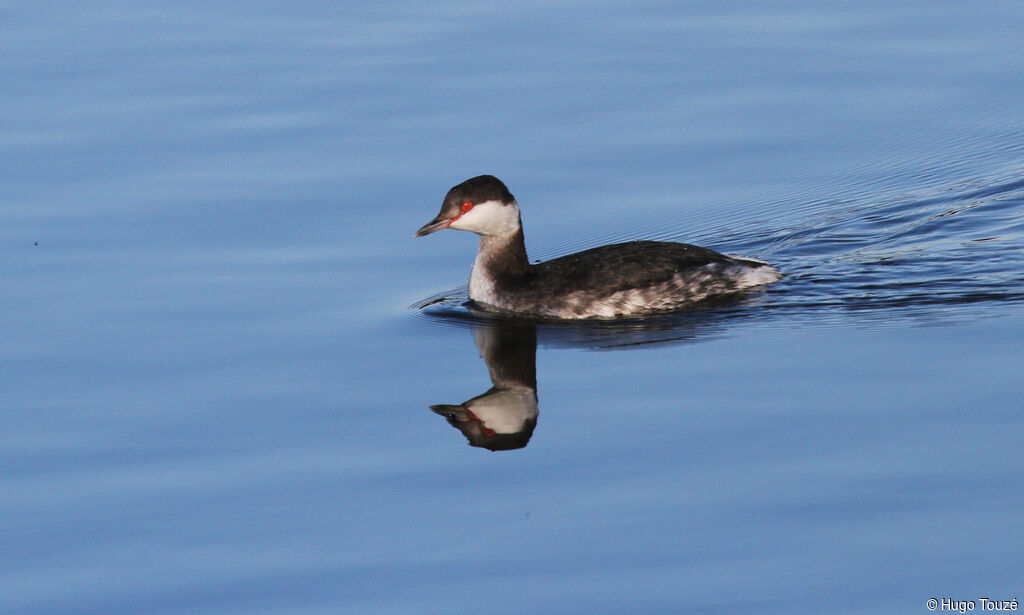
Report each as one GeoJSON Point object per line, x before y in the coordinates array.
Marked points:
{"type": "Point", "coordinates": [463, 222]}
{"type": "Point", "coordinates": [489, 218]}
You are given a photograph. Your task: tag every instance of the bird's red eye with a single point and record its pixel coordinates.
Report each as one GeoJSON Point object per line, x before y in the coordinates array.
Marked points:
{"type": "Point", "coordinates": [467, 206]}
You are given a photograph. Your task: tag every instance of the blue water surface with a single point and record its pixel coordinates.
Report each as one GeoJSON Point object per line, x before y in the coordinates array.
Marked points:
{"type": "Point", "coordinates": [220, 343]}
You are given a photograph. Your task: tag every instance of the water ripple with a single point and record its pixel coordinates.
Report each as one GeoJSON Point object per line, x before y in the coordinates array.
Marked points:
{"type": "Point", "coordinates": [924, 256]}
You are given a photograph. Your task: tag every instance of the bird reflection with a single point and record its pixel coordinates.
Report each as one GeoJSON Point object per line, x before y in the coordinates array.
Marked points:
{"type": "Point", "coordinates": [503, 418]}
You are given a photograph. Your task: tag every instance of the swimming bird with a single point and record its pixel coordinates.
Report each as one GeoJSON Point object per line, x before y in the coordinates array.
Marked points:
{"type": "Point", "coordinates": [631, 279]}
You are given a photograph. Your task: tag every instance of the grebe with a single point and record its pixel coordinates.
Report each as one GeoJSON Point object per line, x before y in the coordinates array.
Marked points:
{"type": "Point", "coordinates": [620, 280]}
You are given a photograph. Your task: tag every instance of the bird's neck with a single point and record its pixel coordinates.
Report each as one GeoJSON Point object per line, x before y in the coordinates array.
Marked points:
{"type": "Point", "coordinates": [500, 266]}
{"type": "Point", "coordinates": [502, 256]}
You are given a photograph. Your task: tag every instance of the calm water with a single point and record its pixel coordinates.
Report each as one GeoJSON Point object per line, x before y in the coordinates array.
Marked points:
{"type": "Point", "coordinates": [217, 374]}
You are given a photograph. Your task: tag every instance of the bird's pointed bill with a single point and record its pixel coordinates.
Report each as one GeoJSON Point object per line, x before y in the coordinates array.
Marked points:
{"type": "Point", "coordinates": [433, 226]}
